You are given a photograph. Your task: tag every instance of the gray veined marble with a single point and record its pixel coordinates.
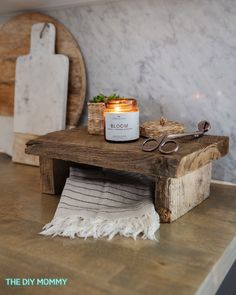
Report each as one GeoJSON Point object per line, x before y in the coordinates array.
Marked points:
{"type": "Point", "coordinates": [178, 57]}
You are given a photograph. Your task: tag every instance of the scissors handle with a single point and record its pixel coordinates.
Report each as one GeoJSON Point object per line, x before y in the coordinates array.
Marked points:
{"type": "Point", "coordinates": [164, 143]}
{"type": "Point", "coordinates": [156, 141]}
{"type": "Point", "coordinates": [160, 143]}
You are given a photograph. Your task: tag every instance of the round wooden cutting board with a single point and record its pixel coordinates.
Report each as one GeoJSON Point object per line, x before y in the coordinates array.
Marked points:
{"type": "Point", "coordinates": [15, 41]}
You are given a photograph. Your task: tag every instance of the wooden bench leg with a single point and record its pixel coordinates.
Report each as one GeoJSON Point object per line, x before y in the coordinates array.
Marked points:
{"type": "Point", "coordinates": [53, 174]}
{"type": "Point", "coordinates": [176, 196]}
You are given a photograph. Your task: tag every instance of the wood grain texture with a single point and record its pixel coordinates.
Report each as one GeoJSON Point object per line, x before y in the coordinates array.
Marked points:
{"type": "Point", "coordinates": [15, 41]}
{"type": "Point", "coordinates": [53, 174]}
{"type": "Point", "coordinates": [78, 146]}
{"type": "Point", "coordinates": [173, 196]}
{"type": "Point", "coordinates": [177, 264]}
{"type": "Point", "coordinates": [19, 155]}
{"type": "Point", "coordinates": [41, 89]}
{"type": "Point", "coordinates": [176, 196]}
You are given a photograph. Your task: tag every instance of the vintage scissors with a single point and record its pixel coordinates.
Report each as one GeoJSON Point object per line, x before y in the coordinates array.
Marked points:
{"type": "Point", "coordinates": [153, 143]}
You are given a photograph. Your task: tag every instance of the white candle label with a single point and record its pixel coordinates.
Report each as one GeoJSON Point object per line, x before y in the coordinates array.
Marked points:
{"type": "Point", "coordinates": [122, 126]}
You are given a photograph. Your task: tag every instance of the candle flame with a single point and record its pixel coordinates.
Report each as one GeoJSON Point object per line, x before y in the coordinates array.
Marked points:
{"type": "Point", "coordinates": [117, 109]}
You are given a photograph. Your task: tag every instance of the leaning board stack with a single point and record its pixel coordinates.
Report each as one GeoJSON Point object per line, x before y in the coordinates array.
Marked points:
{"type": "Point", "coordinates": [9, 52]}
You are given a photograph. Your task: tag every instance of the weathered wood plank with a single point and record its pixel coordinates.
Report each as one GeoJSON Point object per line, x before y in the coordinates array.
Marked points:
{"type": "Point", "coordinates": [53, 174]}
{"type": "Point", "coordinates": [6, 98]}
{"type": "Point", "coordinates": [19, 156]}
{"type": "Point", "coordinates": [78, 146]}
{"type": "Point", "coordinates": [9, 66]}
{"type": "Point", "coordinates": [176, 196]}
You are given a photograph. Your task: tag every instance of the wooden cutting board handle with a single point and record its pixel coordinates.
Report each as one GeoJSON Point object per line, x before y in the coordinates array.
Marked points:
{"type": "Point", "coordinates": [40, 90]}
{"type": "Point", "coordinates": [15, 41]}
{"type": "Point", "coordinates": [15, 37]}
{"type": "Point", "coordinates": [43, 36]}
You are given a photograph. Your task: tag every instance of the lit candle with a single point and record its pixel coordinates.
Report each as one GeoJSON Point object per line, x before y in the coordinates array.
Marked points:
{"type": "Point", "coordinates": [121, 120]}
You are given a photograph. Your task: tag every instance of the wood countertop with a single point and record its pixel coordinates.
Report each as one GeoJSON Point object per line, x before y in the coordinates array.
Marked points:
{"type": "Point", "coordinates": [193, 253]}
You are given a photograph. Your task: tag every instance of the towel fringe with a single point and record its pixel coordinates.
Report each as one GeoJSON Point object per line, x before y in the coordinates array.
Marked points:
{"type": "Point", "coordinates": [72, 226]}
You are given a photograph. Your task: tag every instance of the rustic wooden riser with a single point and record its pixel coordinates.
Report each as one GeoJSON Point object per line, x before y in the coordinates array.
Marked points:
{"type": "Point", "coordinates": [182, 179]}
{"type": "Point", "coordinates": [176, 196]}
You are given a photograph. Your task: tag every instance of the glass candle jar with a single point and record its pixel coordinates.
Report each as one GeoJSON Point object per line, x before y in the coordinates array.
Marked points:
{"type": "Point", "coordinates": [121, 120]}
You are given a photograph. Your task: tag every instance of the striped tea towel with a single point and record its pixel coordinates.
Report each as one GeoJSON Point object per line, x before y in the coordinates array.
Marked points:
{"type": "Point", "coordinates": [99, 203]}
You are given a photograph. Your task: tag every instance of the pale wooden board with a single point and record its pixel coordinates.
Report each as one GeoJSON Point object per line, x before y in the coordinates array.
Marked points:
{"type": "Point", "coordinates": [40, 90]}
{"type": "Point", "coordinates": [19, 155]}
{"type": "Point", "coordinates": [6, 134]}
{"type": "Point", "coordinates": [41, 85]}
{"type": "Point", "coordinates": [15, 41]}
{"type": "Point", "coordinates": [176, 196]}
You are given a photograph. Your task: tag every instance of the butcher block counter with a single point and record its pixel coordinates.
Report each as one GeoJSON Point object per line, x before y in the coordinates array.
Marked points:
{"type": "Point", "coordinates": [192, 255]}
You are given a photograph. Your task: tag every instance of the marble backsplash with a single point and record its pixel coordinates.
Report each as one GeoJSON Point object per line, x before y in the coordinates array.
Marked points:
{"type": "Point", "coordinates": [178, 58]}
